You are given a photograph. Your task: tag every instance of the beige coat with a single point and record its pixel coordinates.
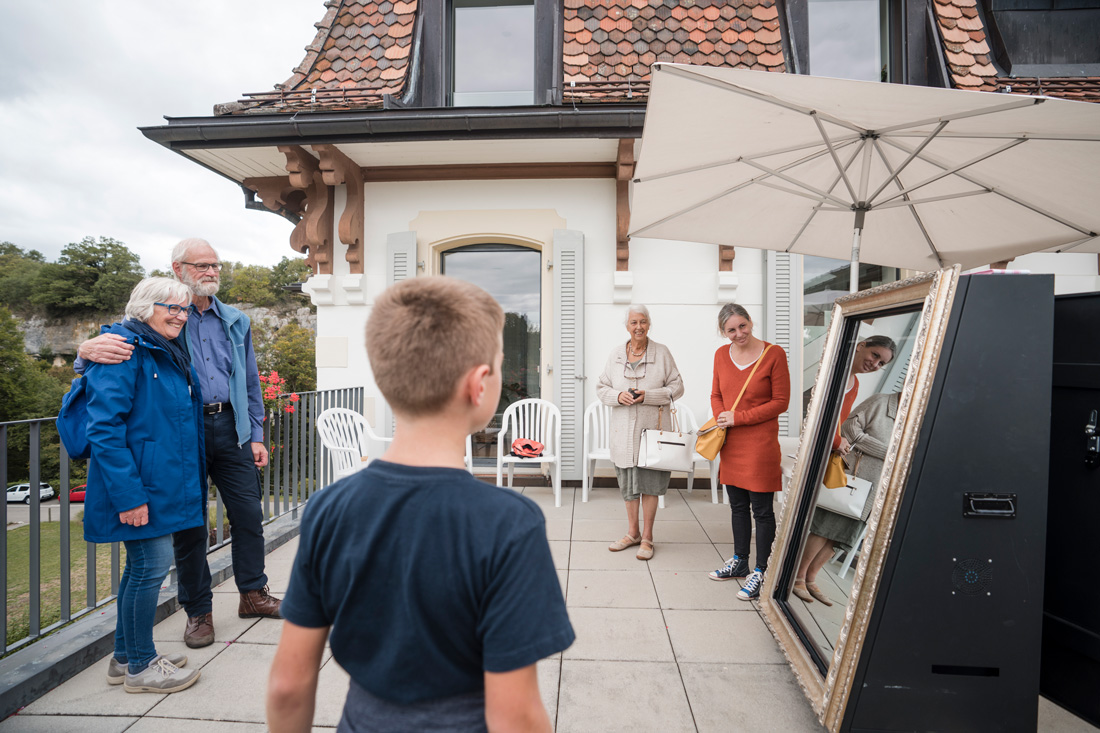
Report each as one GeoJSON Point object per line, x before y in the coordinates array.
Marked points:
{"type": "Point", "coordinates": [662, 384]}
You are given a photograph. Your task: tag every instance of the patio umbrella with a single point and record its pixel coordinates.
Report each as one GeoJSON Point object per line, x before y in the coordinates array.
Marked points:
{"type": "Point", "coordinates": [893, 175]}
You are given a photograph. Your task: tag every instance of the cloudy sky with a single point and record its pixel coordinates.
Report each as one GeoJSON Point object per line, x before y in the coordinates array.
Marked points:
{"type": "Point", "coordinates": [80, 76]}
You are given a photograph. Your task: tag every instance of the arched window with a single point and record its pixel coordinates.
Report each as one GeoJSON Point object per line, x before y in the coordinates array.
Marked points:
{"type": "Point", "coordinates": [513, 275]}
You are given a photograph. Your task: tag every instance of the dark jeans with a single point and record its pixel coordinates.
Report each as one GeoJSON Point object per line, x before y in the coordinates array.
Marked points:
{"type": "Point", "coordinates": [238, 483]}
{"type": "Point", "coordinates": [762, 512]}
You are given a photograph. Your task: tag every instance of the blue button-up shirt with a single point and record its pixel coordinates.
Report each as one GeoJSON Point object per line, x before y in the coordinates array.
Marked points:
{"type": "Point", "coordinates": [211, 353]}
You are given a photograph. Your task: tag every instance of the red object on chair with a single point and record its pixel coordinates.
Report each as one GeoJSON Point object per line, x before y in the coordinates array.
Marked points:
{"type": "Point", "coordinates": [527, 448]}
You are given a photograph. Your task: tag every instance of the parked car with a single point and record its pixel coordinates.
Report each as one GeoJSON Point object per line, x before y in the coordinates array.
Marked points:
{"type": "Point", "coordinates": [22, 492]}
{"type": "Point", "coordinates": [77, 493]}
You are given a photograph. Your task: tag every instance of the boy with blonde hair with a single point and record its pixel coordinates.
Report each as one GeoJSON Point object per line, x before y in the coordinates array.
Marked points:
{"type": "Point", "coordinates": [439, 589]}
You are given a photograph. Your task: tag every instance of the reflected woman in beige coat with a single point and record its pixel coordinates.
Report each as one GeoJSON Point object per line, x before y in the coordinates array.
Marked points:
{"type": "Point", "coordinates": [640, 377]}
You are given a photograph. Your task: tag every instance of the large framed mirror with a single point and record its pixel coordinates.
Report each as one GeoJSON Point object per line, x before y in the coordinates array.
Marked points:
{"type": "Point", "coordinates": [866, 411]}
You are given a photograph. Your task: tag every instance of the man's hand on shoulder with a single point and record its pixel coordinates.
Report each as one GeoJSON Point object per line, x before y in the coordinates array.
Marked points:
{"type": "Point", "coordinates": [259, 455]}
{"type": "Point", "coordinates": [107, 348]}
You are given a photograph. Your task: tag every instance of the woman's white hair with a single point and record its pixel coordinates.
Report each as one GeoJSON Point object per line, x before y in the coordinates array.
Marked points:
{"type": "Point", "coordinates": [637, 308]}
{"type": "Point", "coordinates": [155, 290]}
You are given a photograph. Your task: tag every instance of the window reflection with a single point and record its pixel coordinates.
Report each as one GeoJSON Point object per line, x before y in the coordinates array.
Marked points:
{"type": "Point", "coordinates": [512, 275]}
{"type": "Point", "coordinates": [847, 39]}
{"type": "Point", "coordinates": [493, 42]}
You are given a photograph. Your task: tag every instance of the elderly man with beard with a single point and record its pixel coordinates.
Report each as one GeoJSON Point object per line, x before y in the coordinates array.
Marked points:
{"type": "Point", "coordinates": [219, 339]}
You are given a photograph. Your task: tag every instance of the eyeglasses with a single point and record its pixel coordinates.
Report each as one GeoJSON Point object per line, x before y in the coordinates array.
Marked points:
{"type": "Point", "coordinates": [175, 310]}
{"type": "Point", "coordinates": [204, 266]}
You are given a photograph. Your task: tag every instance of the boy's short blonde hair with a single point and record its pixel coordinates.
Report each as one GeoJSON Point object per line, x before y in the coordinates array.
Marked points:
{"type": "Point", "coordinates": [424, 334]}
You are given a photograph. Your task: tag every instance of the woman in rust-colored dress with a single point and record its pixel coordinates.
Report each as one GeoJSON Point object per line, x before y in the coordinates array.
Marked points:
{"type": "Point", "coordinates": [751, 377]}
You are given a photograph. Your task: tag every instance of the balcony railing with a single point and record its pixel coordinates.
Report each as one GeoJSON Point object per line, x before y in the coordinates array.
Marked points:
{"type": "Point", "coordinates": [47, 587]}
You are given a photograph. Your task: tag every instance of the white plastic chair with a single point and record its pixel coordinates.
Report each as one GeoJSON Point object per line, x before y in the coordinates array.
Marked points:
{"type": "Point", "coordinates": [469, 459]}
{"type": "Point", "coordinates": [596, 442]}
{"type": "Point", "coordinates": [688, 423]}
{"type": "Point", "coordinates": [532, 419]}
{"type": "Point", "coordinates": [346, 435]}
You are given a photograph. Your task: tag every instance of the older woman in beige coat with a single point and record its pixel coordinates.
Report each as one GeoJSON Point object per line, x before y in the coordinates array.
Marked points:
{"type": "Point", "coordinates": [640, 377]}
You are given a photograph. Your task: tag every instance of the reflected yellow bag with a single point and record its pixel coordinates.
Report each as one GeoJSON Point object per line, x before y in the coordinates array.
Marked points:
{"type": "Point", "coordinates": [835, 478]}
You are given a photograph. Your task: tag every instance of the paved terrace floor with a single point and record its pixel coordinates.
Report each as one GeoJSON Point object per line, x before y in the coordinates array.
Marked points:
{"type": "Point", "coordinates": [659, 647]}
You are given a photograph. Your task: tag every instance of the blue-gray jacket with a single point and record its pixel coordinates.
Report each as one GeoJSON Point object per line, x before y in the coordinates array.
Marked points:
{"type": "Point", "coordinates": [145, 428]}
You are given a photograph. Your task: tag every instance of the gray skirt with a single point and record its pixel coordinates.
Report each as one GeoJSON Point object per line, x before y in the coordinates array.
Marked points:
{"type": "Point", "coordinates": [841, 530]}
{"type": "Point", "coordinates": [633, 482]}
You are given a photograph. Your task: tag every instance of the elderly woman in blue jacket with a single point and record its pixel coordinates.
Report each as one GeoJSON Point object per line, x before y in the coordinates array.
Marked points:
{"type": "Point", "coordinates": [146, 476]}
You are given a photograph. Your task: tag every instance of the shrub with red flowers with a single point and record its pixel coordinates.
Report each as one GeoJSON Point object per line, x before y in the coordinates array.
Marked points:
{"type": "Point", "coordinates": [275, 398]}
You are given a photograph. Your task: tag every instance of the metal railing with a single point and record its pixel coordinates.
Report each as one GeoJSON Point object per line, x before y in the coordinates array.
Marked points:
{"type": "Point", "coordinates": [298, 466]}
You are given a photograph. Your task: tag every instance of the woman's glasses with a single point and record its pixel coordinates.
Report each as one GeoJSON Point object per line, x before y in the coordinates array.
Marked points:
{"type": "Point", "coordinates": [175, 310]}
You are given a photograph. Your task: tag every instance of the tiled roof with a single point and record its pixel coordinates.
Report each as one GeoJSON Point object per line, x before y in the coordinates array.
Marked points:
{"type": "Point", "coordinates": [965, 45]}
{"type": "Point", "coordinates": [610, 45]}
{"type": "Point", "coordinates": [970, 61]}
{"type": "Point", "coordinates": [363, 50]}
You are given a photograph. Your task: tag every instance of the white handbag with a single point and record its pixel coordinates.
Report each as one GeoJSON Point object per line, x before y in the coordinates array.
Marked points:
{"type": "Point", "coordinates": [847, 500]}
{"type": "Point", "coordinates": [667, 450]}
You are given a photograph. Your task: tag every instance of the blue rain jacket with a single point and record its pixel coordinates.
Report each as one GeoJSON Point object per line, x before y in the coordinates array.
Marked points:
{"type": "Point", "coordinates": [145, 427]}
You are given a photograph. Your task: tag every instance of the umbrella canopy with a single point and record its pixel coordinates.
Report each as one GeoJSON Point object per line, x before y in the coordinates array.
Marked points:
{"type": "Point", "coordinates": [913, 177]}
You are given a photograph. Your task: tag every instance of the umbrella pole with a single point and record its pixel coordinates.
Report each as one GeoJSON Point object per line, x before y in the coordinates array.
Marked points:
{"type": "Point", "coordinates": [857, 233]}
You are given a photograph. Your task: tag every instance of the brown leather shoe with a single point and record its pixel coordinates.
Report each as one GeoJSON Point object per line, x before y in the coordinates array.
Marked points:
{"type": "Point", "coordinates": [199, 631]}
{"type": "Point", "coordinates": [259, 604]}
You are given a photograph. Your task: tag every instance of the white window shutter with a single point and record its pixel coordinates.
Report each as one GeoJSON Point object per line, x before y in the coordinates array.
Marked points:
{"type": "Point", "coordinates": [569, 373]}
{"type": "Point", "coordinates": [783, 288]}
{"type": "Point", "coordinates": [400, 256]}
{"type": "Point", "coordinates": [400, 265]}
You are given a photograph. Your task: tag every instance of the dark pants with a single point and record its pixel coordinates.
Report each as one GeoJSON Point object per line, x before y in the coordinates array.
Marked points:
{"type": "Point", "coordinates": [762, 512]}
{"type": "Point", "coordinates": [238, 482]}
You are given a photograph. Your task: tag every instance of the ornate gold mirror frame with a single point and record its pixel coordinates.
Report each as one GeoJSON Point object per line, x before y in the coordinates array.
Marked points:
{"type": "Point", "coordinates": [934, 292]}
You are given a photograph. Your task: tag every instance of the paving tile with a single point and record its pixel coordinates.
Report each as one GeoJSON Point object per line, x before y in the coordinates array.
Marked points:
{"type": "Point", "coordinates": [549, 678]}
{"type": "Point", "coordinates": [227, 625]}
{"type": "Point", "coordinates": [722, 636]}
{"type": "Point", "coordinates": [277, 566]}
{"type": "Point", "coordinates": [694, 590]}
{"type": "Point", "coordinates": [777, 701]}
{"type": "Point", "coordinates": [620, 634]}
{"type": "Point", "coordinates": [598, 530]}
{"type": "Point", "coordinates": [678, 531]}
{"type": "Point", "coordinates": [718, 530]}
{"type": "Point", "coordinates": [647, 696]}
{"type": "Point", "coordinates": [700, 558]}
{"type": "Point", "coordinates": [181, 725]}
{"type": "Point", "coordinates": [266, 631]}
{"type": "Point", "coordinates": [1056, 719]}
{"type": "Point", "coordinates": [559, 549]}
{"type": "Point", "coordinates": [88, 694]}
{"type": "Point", "coordinates": [232, 687]}
{"type": "Point", "coordinates": [596, 556]}
{"type": "Point", "coordinates": [611, 588]}
{"type": "Point", "coordinates": [332, 691]}
{"type": "Point", "coordinates": [603, 506]}
{"type": "Point", "coordinates": [559, 529]}
{"type": "Point", "coordinates": [27, 723]}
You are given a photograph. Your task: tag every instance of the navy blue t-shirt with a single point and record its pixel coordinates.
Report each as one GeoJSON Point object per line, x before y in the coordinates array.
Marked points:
{"type": "Point", "coordinates": [429, 578]}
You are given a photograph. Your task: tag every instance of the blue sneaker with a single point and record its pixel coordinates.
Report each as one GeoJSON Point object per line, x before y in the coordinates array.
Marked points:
{"type": "Point", "coordinates": [751, 589]}
{"type": "Point", "coordinates": [735, 567]}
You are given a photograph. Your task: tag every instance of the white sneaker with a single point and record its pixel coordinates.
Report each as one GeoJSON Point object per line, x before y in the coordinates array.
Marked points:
{"type": "Point", "coordinates": [116, 671]}
{"type": "Point", "coordinates": [161, 676]}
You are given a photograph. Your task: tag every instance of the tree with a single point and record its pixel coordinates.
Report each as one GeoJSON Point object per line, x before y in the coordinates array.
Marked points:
{"type": "Point", "coordinates": [18, 273]}
{"type": "Point", "coordinates": [251, 284]}
{"type": "Point", "coordinates": [288, 271]}
{"type": "Point", "coordinates": [89, 275]}
{"type": "Point", "coordinates": [291, 352]}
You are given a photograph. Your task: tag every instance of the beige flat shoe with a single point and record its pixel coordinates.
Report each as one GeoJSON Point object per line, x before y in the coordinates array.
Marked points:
{"type": "Point", "coordinates": [646, 550]}
{"type": "Point", "coordinates": [817, 593]}
{"type": "Point", "coordinates": [625, 542]}
{"type": "Point", "coordinates": [800, 592]}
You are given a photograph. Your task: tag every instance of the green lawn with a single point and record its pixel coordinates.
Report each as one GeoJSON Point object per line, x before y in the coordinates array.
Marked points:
{"type": "Point", "coordinates": [50, 559]}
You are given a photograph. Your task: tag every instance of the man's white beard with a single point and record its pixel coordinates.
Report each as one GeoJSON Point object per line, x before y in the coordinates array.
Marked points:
{"type": "Point", "coordinates": [200, 288]}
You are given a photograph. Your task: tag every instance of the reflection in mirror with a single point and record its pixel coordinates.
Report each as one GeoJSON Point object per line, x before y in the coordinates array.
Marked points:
{"type": "Point", "coordinates": [860, 437]}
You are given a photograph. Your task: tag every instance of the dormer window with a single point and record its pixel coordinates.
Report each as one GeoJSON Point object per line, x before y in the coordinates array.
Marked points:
{"type": "Point", "coordinates": [493, 53]}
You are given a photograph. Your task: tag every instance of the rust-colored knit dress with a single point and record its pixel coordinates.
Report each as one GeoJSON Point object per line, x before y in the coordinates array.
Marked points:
{"type": "Point", "coordinates": [750, 458]}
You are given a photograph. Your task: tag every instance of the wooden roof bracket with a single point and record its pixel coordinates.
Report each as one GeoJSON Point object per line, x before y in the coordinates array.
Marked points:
{"type": "Point", "coordinates": [338, 169]}
{"type": "Point", "coordinates": [312, 236]}
{"type": "Point", "coordinates": [624, 172]}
